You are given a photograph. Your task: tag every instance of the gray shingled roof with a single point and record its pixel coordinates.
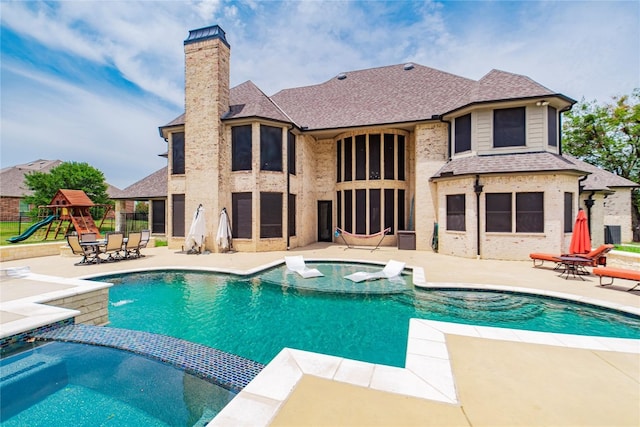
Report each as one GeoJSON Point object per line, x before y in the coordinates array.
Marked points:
{"type": "Point", "coordinates": [391, 94]}
{"type": "Point", "coordinates": [246, 100]}
{"type": "Point", "coordinates": [12, 177]}
{"type": "Point", "coordinates": [508, 163]}
{"type": "Point", "coordinates": [600, 179]}
{"type": "Point", "coordinates": [377, 95]}
{"type": "Point", "coordinates": [149, 187]}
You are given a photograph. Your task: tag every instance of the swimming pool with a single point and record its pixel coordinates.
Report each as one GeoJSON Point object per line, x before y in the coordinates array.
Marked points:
{"type": "Point", "coordinates": [255, 317]}
{"type": "Point", "coordinates": [64, 384]}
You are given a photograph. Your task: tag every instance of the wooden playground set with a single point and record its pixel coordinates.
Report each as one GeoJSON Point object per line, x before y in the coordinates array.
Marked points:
{"type": "Point", "coordinates": [69, 209]}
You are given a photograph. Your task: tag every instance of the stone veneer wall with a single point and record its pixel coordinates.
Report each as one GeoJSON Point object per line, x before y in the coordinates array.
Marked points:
{"type": "Point", "coordinates": [618, 208]}
{"type": "Point", "coordinates": [430, 155]}
{"type": "Point", "coordinates": [93, 306]}
{"type": "Point", "coordinates": [517, 246]}
{"type": "Point", "coordinates": [32, 250]}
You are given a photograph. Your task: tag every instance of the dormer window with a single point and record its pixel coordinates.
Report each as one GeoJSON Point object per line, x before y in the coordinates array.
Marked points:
{"type": "Point", "coordinates": [509, 127]}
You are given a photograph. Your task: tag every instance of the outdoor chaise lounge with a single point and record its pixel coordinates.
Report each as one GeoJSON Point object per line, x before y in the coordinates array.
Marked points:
{"type": "Point", "coordinates": [617, 273]}
{"type": "Point", "coordinates": [592, 259]}
{"type": "Point", "coordinates": [391, 270]}
{"type": "Point", "coordinates": [296, 264]}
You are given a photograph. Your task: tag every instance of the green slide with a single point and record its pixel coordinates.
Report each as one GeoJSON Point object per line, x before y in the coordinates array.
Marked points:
{"type": "Point", "coordinates": [29, 231]}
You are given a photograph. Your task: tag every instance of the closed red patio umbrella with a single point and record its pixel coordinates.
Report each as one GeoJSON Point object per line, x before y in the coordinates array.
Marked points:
{"type": "Point", "coordinates": [580, 239]}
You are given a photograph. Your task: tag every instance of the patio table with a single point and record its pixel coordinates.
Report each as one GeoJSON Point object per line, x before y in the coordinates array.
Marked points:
{"type": "Point", "coordinates": [574, 266]}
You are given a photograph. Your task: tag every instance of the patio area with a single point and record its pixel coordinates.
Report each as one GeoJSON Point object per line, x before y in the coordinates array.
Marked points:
{"type": "Point", "coordinates": [499, 380]}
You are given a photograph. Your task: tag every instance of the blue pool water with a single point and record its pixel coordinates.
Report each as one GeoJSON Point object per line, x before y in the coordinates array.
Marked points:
{"type": "Point", "coordinates": [64, 384]}
{"type": "Point", "coordinates": [256, 317]}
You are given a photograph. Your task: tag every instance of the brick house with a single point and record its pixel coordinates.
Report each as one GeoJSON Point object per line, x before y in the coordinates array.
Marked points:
{"type": "Point", "coordinates": [402, 147]}
{"type": "Point", "coordinates": [13, 189]}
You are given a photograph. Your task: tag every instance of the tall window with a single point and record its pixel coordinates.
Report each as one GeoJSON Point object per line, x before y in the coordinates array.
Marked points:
{"type": "Point", "coordinates": [270, 148]}
{"type": "Point", "coordinates": [456, 212]}
{"type": "Point", "coordinates": [400, 157]}
{"type": "Point", "coordinates": [401, 203]}
{"type": "Point", "coordinates": [552, 120]}
{"type": "Point", "coordinates": [291, 153]}
{"type": "Point", "coordinates": [348, 210]}
{"type": "Point", "coordinates": [270, 215]}
{"type": "Point", "coordinates": [509, 127]}
{"type": "Point", "coordinates": [291, 220]}
{"type": "Point", "coordinates": [177, 223]}
{"type": "Point", "coordinates": [374, 156]}
{"type": "Point", "coordinates": [348, 153]}
{"type": "Point", "coordinates": [339, 161]}
{"type": "Point", "coordinates": [361, 157]}
{"type": "Point", "coordinates": [361, 211]}
{"type": "Point", "coordinates": [177, 153]}
{"type": "Point", "coordinates": [389, 163]}
{"type": "Point", "coordinates": [389, 209]}
{"type": "Point", "coordinates": [498, 212]}
{"type": "Point", "coordinates": [241, 148]}
{"type": "Point", "coordinates": [568, 212]}
{"type": "Point", "coordinates": [241, 215]}
{"type": "Point", "coordinates": [529, 212]}
{"type": "Point", "coordinates": [374, 211]}
{"type": "Point", "coordinates": [463, 134]}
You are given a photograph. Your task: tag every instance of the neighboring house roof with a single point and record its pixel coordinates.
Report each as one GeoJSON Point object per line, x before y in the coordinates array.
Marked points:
{"type": "Point", "coordinates": [600, 179]}
{"type": "Point", "coordinates": [12, 177]}
{"type": "Point", "coordinates": [149, 187]}
{"type": "Point", "coordinates": [384, 95]}
{"type": "Point", "coordinates": [508, 163]}
{"type": "Point", "coordinates": [113, 192]}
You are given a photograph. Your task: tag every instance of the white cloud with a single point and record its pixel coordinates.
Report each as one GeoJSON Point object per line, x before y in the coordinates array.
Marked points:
{"type": "Point", "coordinates": [127, 63]}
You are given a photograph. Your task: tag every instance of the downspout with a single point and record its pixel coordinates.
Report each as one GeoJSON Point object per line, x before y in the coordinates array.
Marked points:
{"type": "Point", "coordinates": [477, 188]}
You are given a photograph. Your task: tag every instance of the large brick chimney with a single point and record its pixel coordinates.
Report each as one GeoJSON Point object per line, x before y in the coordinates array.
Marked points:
{"type": "Point", "coordinates": [207, 54]}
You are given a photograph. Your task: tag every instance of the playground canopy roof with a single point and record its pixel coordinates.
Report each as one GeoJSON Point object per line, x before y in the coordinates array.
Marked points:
{"type": "Point", "coordinates": [71, 198]}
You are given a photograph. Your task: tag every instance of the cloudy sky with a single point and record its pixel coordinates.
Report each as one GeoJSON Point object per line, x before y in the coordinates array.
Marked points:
{"type": "Point", "coordinates": [91, 81]}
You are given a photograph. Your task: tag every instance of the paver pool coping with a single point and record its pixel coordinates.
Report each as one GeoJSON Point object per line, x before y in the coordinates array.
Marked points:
{"type": "Point", "coordinates": [427, 373]}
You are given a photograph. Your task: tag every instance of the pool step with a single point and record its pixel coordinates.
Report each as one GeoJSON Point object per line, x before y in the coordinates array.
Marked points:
{"type": "Point", "coordinates": [224, 369]}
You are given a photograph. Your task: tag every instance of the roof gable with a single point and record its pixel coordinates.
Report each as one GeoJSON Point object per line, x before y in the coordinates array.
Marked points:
{"type": "Point", "coordinates": [246, 100]}
{"type": "Point", "coordinates": [72, 198]}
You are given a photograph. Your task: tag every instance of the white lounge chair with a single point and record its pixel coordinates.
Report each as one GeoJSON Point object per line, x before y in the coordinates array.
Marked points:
{"type": "Point", "coordinates": [296, 264]}
{"type": "Point", "coordinates": [391, 270]}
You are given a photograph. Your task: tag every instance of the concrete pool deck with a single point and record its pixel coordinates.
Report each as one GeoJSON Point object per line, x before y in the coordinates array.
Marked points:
{"type": "Point", "coordinates": [498, 380]}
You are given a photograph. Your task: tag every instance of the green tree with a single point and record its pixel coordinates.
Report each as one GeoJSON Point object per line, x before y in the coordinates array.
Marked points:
{"type": "Point", "coordinates": [70, 176]}
{"type": "Point", "coordinates": [608, 136]}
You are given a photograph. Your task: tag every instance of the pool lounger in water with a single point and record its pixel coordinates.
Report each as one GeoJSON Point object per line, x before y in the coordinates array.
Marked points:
{"type": "Point", "coordinates": [391, 270]}
{"type": "Point", "coordinates": [296, 264]}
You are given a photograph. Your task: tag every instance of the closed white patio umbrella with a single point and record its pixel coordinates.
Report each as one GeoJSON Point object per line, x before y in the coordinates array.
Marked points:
{"type": "Point", "coordinates": [223, 236]}
{"type": "Point", "coordinates": [195, 238]}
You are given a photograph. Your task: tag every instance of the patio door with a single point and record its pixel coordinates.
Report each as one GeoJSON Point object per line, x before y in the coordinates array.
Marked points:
{"type": "Point", "coordinates": [324, 221]}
